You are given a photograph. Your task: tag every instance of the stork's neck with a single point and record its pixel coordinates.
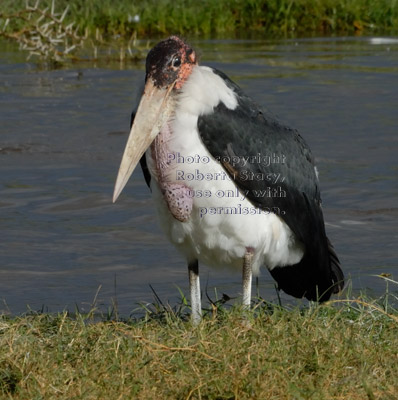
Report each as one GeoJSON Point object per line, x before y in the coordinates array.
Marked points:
{"type": "Point", "coordinates": [203, 91]}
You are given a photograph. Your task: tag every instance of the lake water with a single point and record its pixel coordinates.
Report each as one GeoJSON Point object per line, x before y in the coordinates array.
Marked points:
{"type": "Point", "coordinates": [62, 133]}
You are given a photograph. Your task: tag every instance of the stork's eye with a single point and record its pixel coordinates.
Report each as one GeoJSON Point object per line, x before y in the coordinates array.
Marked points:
{"type": "Point", "coordinates": [176, 61]}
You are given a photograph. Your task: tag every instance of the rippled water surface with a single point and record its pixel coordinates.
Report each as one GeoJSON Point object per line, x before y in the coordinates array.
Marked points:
{"type": "Point", "coordinates": [62, 133]}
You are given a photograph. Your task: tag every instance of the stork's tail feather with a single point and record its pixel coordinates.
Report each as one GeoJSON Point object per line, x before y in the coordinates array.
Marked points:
{"type": "Point", "coordinates": [336, 271]}
{"type": "Point", "coordinates": [311, 279]}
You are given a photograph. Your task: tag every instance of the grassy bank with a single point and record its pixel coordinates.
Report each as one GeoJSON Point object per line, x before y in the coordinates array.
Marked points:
{"type": "Point", "coordinates": [346, 350]}
{"type": "Point", "coordinates": [223, 17]}
{"type": "Point", "coordinates": [56, 30]}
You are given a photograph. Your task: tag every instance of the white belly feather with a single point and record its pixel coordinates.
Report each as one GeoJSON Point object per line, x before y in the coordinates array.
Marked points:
{"type": "Point", "coordinates": [222, 223]}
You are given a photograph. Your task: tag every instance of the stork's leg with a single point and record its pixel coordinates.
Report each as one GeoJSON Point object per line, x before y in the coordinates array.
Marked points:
{"type": "Point", "coordinates": [247, 277]}
{"type": "Point", "coordinates": [194, 287]}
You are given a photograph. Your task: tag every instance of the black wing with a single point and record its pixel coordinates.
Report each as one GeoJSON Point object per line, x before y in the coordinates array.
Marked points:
{"type": "Point", "coordinates": [286, 184]}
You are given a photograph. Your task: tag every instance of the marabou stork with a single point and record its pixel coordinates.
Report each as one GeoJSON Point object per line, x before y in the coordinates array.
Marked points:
{"type": "Point", "coordinates": [233, 186]}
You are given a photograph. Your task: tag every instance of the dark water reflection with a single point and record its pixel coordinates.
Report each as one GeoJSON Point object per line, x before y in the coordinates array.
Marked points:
{"type": "Point", "coordinates": [62, 133]}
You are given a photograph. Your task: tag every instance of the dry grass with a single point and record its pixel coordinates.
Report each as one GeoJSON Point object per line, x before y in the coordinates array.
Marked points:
{"type": "Point", "coordinates": [346, 350]}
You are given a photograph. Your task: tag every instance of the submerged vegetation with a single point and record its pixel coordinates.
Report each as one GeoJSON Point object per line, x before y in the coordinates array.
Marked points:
{"type": "Point", "coordinates": [98, 21]}
{"type": "Point", "coordinates": [346, 349]}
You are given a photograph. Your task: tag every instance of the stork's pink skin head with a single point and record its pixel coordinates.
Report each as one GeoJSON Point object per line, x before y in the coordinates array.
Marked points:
{"type": "Point", "coordinates": [170, 61]}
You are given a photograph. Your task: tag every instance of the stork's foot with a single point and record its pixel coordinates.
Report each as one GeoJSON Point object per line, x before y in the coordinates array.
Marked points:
{"type": "Point", "coordinates": [194, 287]}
